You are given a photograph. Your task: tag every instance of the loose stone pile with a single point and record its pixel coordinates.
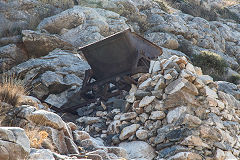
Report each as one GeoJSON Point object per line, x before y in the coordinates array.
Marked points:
{"type": "Point", "coordinates": [40, 134]}
{"type": "Point", "coordinates": [176, 109]}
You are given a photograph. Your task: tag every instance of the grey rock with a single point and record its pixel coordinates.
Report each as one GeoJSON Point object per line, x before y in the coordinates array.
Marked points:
{"type": "Point", "coordinates": [170, 151]}
{"type": "Point", "coordinates": [88, 120]}
{"type": "Point", "coordinates": [128, 9]}
{"type": "Point", "coordinates": [14, 140]}
{"type": "Point", "coordinates": [235, 9]}
{"type": "Point", "coordinates": [20, 15]}
{"type": "Point", "coordinates": [175, 114]}
{"type": "Point", "coordinates": [10, 56]}
{"type": "Point", "coordinates": [157, 115]}
{"type": "Point", "coordinates": [40, 44]}
{"type": "Point", "coordinates": [60, 63]}
{"type": "Point", "coordinates": [65, 4]}
{"type": "Point", "coordinates": [118, 151]}
{"type": "Point", "coordinates": [167, 53]}
{"type": "Point", "coordinates": [51, 79]}
{"type": "Point", "coordinates": [128, 131]}
{"type": "Point", "coordinates": [139, 94]}
{"type": "Point", "coordinates": [67, 19]}
{"type": "Point", "coordinates": [61, 99]}
{"type": "Point", "coordinates": [181, 84]}
{"type": "Point", "coordinates": [229, 100]}
{"type": "Point", "coordinates": [44, 154]}
{"type": "Point", "coordinates": [10, 40]}
{"type": "Point", "coordinates": [229, 88]}
{"type": "Point", "coordinates": [138, 150]}
{"type": "Point", "coordinates": [128, 116]}
{"type": "Point", "coordinates": [180, 98]}
{"type": "Point", "coordinates": [146, 101]}
{"type": "Point", "coordinates": [177, 134]}
{"type": "Point", "coordinates": [50, 119]}
{"type": "Point", "coordinates": [142, 134]}
{"type": "Point", "coordinates": [206, 79]}
{"type": "Point", "coordinates": [72, 147]}
{"type": "Point", "coordinates": [163, 39]}
{"type": "Point", "coordinates": [164, 145]}
{"type": "Point", "coordinates": [159, 139]}
{"type": "Point", "coordinates": [99, 23]}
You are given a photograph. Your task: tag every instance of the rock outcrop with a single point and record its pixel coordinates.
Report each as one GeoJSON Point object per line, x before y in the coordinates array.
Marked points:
{"type": "Point", "coordinates": [60, 72]}
{"type": "Point", "coordinates": [22, 14]}
{"type": "Point", "coordinates": [46, 133]}
{"type": "Point", "coordinates": [40, 44]}
{"type": "Point", "coordinates": [11, 55]}
{"type": "Point", "coordinates": [177, 111]}
{"type": "Point", "coordinates": [14, 140]}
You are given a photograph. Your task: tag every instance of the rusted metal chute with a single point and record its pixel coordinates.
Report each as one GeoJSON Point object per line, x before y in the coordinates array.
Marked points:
{"type": "Point", "coordinates": [113, 61]}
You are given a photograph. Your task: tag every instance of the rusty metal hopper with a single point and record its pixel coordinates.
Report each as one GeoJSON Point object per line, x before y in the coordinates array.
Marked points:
{"type": "Point", "coordinates": [118, 53]}
{"type": "Point", "coordinates": [113, 60]}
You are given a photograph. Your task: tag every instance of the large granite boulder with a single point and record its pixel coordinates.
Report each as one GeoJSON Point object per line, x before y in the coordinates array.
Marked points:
{"type": "Point", "coordinates": [14, 143]}
{"type": "Point", "coordinates": [40, 44]}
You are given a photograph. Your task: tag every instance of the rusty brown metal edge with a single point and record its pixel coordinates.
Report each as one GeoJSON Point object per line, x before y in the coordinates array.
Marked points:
{"type": "Point", "coordinates": [80, 48]}
{"type": "Point", "coordinates": [127, 30]}
{"type": "Point", "coordinates": [151, 43]}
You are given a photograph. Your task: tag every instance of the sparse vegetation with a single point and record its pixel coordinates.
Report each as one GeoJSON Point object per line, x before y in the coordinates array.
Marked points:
{"type": "Point", "coordinates": [194, 9]}
{"type": "Point", "coordinates": [163, 5]}
{"type": "Point", "coordinates": [37, 138]}
{"type": "Point", "coordinates": [11, 90]}
{"type": "Point", "coordinates": [198, 10]}
{"type": "Point", "coordinates": [211, 64]}
{"type": "Point", "coordinates": [234, 79]}
{"type": "Point", "coordinates": [227, 14]}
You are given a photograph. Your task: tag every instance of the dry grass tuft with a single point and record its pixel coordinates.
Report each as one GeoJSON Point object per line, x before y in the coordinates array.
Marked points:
{"type": "Point", "coordinates": [11, 90]}
{"type": "Point", "coordinates": [39, 139]}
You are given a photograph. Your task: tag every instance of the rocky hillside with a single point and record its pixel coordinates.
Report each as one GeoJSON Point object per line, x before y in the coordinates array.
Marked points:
{"type": "Point", "coordinates": [186, 107]}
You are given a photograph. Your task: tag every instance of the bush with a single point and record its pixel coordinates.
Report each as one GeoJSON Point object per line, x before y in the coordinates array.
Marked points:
{"type": "Point", "coordinates": [211, 64]}
{"type": "Point", "coordinates": [163, 5]}
{"type": "Point", "coordinates": [235, 79]}
{"type": "Point", "coordinates": [196, 10]}
{"type": "Point", "coordinates": [227, 14]}
{"type": "Point", "coordinates": [39, 138]}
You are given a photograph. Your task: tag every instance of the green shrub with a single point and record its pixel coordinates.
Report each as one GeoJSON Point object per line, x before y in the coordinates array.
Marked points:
{"type": "Point", "coordinates": [198, 11]}
{"type": "Point", "coordinates": [211, 64]}
{"type": "Point", "coordinates": [194, 9]}
{"type": "Point", "coordinates": [227, 14]}
{"type": "Point", "coordinates": [235, 79]}
{"type": "Point", "coordinates": [163, 5]}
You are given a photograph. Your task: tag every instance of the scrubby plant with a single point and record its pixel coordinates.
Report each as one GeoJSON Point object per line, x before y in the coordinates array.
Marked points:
{"type": "Point", "coordinates": [235, 79]}
{"type": "Point", "coordinates": [227, 14]}
{"type": "Point", "coordinates": [211, 63]}
{"type": "Point", "coordinates": [39, 139]}
{"type": "Point", "coordinates": [11, 90]}
{"type": "Point", "coordinates": [193, 8]}
{"type": "Point", "coordinates": [163, 5]}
